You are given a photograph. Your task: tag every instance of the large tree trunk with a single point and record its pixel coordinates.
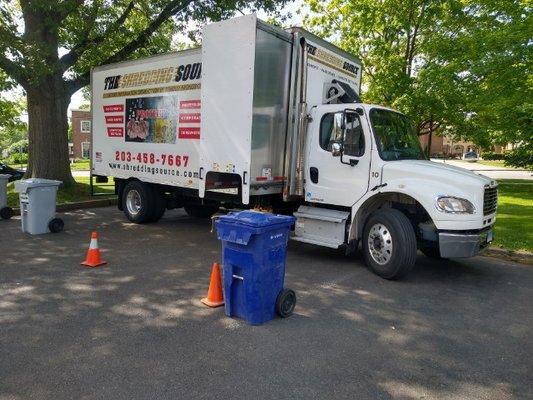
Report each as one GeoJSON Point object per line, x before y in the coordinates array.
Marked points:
{"type": "Point", "coordinates": [48, 126]}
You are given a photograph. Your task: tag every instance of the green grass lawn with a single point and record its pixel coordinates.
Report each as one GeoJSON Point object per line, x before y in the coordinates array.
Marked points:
{"type": "Point", "coordinates": [70, 194]}
{"type": "Point", "coordinates": [80, 165]}
{"type": "Point", "coordinates": [17, 166]}
{"type": "Point", "coordinates": [514, 221]}
{"type": "Point", "coordinates": [493, 163]}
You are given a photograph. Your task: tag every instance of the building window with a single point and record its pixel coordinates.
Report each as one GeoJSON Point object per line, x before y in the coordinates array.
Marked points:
{"type": "Point", "coordinates": [85, 150]}
{"type": "Point", "coordinates": [85, 126]}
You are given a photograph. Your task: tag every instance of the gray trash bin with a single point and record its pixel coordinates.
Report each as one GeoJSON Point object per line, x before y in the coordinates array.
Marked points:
{"type": "Point", "coordinates": [38, 205]}
{"type": "Point", "coordinates": [5, 211]}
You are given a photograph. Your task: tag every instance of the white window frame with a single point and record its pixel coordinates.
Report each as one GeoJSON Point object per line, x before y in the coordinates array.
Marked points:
{"type": "Point", "coordinates": [83, 144]}
{"type": "Point", "coordinates": [86, 122]}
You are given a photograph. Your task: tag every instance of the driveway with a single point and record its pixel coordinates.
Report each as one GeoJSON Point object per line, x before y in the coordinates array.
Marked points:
{"type": "Point", "coordinates": [135, 329]}
{"type": "Point", "coordinates": [489, 170]}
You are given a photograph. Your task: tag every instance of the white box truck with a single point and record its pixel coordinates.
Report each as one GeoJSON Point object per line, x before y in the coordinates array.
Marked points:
{"type": "Point", "coordinates": [261, 117]}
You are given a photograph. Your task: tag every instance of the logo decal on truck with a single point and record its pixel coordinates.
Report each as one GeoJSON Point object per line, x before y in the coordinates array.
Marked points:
{"type": "Point", "coordinates": [114, 108]}
{"type": "Point", "coordinates": [189, 104]}
{"type": "Point", "coordinates": [180, 73]}
{"type": "Point", "coordinates": [332, 61]}
{"type": "Point", "coordinates": [192, 132]}
{"type": "Point", "coordinates": [114, 119]}
{"type": "Point", "coordinates": [151, 119]}
{"type": "Point", "coordinates": [113, 131]}
{"type": "Point", "coordinates": [189, 117]}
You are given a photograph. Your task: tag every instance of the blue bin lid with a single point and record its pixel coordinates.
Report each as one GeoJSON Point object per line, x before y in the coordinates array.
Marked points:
{"type": "Point", "coordinates": [256, 219]}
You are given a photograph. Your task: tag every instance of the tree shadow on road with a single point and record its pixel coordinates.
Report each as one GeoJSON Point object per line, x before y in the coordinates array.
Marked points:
{"type": "Point", "coordinates": [136, 329]}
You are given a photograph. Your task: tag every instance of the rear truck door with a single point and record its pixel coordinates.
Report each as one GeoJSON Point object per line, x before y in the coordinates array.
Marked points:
{"type": "Point", "coordinates": [228, 54]}
{"type": "Point", "coordinates": [335, 179]}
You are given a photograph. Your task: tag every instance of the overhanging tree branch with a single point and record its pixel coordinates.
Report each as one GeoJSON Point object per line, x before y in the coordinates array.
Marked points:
{"type": "Point", "coordinates": [69, 59]}
{"type": "Point", "coordinates": [67, 7]}
{"type": "Point", "coordinates": [171, 9]}
{"type": "Point", "coordinates": [13, 70]}
{"type": "Point", "coordinates": [411, 54]}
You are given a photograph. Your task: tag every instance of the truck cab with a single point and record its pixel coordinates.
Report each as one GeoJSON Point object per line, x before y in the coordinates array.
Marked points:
{"type": "Point", "coordinates": [367, 180]}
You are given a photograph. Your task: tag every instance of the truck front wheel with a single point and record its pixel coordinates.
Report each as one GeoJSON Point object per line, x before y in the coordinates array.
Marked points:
{"type": "Point", "coordinates": [389, 243]}
{"type": "Point", "coordinates": [138, 202]}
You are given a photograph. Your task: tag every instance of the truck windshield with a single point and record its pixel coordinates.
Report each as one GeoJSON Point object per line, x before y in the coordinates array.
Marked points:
{"type": "Point", "coordinates": [395, 136]}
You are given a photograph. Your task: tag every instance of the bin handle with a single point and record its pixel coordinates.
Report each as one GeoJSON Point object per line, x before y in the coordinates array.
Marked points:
{"type": "Point", "coordinates": [238, 277]}
{"type": "Point", "coordinates": [213, 219]}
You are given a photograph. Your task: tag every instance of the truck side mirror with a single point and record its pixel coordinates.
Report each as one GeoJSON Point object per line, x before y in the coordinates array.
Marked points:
{"type": "Point", "coordinates": [336, 149]}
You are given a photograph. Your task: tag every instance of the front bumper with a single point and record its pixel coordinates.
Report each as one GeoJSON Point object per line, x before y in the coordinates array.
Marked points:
{"type": "Point", "coordinates": [463, 244]}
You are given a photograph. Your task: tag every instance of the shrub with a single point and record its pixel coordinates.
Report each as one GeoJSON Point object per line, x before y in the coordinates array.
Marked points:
{"type": "Point", "coordinates": [521, 157]}
{"type": "Point", "coordinates": [490, 155]}
{"type": "Point", "coordinates": [17, 158]}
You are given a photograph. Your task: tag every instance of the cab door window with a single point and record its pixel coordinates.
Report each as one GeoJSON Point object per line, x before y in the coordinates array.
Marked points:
{"type": "Point", "coordinates": [331, 131]}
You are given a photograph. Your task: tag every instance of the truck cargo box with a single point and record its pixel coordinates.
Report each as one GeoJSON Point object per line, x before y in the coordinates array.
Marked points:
{"type": "Point", "coordinates": [225, 115]}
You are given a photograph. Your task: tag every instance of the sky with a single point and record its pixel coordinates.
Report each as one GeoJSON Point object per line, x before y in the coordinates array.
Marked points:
{"type": "Point", "coordinates": [295, 20]}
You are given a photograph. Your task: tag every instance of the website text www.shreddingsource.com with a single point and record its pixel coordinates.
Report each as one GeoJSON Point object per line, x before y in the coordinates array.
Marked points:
{"type": "Point", "coordinates": [153, 170]}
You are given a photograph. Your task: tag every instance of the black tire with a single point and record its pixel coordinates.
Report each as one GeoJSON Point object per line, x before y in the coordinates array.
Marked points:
{"type": "Point", "coordinates": [160, 204]}
{"type": "Point", "coordinates": [56, 225]}
{"type": "Point", "coordinates": [119, 187]}
{"type": "Point", "coordinates": [6, 212]}
{"type": "Point", "coordinates": [142, 202]}
{"type": "Point", "coordinates": [390, 228]}
{"type": "Point", "coordinates": [285, 303]}
{"type": "Point", "coordinates": [200, 211]}
{"type": "Point", "coordinates": [432, 252]}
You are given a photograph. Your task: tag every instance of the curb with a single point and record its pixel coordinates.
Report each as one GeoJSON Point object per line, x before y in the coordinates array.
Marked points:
{"type": "Point", "coordinates": [522, 257]}
{"type": "Point", "coordinates": [80, 205]}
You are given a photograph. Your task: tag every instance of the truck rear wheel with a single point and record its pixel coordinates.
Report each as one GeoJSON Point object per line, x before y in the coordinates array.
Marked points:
{"type": "Point", "coordinates": [200, 210]}
{"type": "Point", "coordinates": [138, 202]}
{"type": "Point", "coordinates": [160, 204]}
{"type": "Point", "coordinates": [389, 244]}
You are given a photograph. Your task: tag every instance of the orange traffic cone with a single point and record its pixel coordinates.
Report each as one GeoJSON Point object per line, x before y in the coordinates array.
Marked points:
{"type": "Point", "coordinates": [93, 254]}
{"type": "Point", "coordinates": [215, 297]}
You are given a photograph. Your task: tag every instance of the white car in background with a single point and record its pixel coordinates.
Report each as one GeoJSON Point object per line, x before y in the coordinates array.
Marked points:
{"type": "Point", "coordinates": [471, 156]}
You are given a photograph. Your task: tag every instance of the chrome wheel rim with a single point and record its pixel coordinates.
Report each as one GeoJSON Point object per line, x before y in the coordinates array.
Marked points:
{"type": "Point", "coordinates": [133, 202]}
{"type": "Point", "coordinates": [380, 244]}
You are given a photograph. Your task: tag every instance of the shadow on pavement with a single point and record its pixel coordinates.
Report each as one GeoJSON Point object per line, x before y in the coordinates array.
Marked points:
{"type": "Point", "coordinates": [136, 329]}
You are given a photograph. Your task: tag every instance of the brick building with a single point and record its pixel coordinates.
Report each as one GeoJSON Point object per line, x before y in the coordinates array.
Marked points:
{"type": "Point", "coordinates": [445, 146]}
{"type": "Point", "coordinates": [81, 133]}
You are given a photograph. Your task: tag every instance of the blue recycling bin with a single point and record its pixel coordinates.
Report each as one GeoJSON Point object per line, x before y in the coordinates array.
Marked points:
{"type": "Point", "coordinates": [254, 247]}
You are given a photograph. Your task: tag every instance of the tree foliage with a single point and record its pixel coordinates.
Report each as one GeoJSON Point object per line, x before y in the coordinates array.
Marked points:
{"type": "Point", "coordinates": [465, 65]}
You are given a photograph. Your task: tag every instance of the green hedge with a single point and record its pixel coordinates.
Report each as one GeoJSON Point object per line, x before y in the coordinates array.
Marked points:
{"type": "Point", "coordinates": [489, 155]}
{"type": "Point", "coordinates": [17, 158]}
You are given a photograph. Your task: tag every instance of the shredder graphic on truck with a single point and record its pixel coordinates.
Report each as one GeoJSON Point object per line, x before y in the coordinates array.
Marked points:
{"type": "Point", "coordinates": [271, 118]}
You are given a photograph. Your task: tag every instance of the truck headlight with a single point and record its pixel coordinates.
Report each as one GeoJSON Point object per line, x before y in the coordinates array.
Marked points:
{"type": "Point", "coordinates": [456, 205]}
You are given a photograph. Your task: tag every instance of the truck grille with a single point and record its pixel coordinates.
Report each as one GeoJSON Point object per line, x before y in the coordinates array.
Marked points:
{"type": "Point", "coordinates": [490, 200]}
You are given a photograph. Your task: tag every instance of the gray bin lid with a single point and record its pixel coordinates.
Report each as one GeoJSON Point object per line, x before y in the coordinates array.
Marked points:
{"type": "Point", "coordinates": [23, 185]}
{"type": "Point", "coordinates": [5, 176]}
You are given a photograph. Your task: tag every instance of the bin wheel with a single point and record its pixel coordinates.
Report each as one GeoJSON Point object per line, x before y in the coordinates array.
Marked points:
{"type": "Point", "coordinates": [285, 303]}
{"type": "Point", "coordinates": [56, 225]}
{"type": "Point", "coordinates": [6, 212]}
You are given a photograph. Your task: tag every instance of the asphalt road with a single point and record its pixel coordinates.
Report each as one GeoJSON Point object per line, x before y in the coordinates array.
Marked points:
{"type": "Point", "coordinates": [135, 329]}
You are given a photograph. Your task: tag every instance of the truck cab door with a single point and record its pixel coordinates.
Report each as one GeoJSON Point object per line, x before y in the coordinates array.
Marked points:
{"type": "Point", "coordinates": [332, 176]}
